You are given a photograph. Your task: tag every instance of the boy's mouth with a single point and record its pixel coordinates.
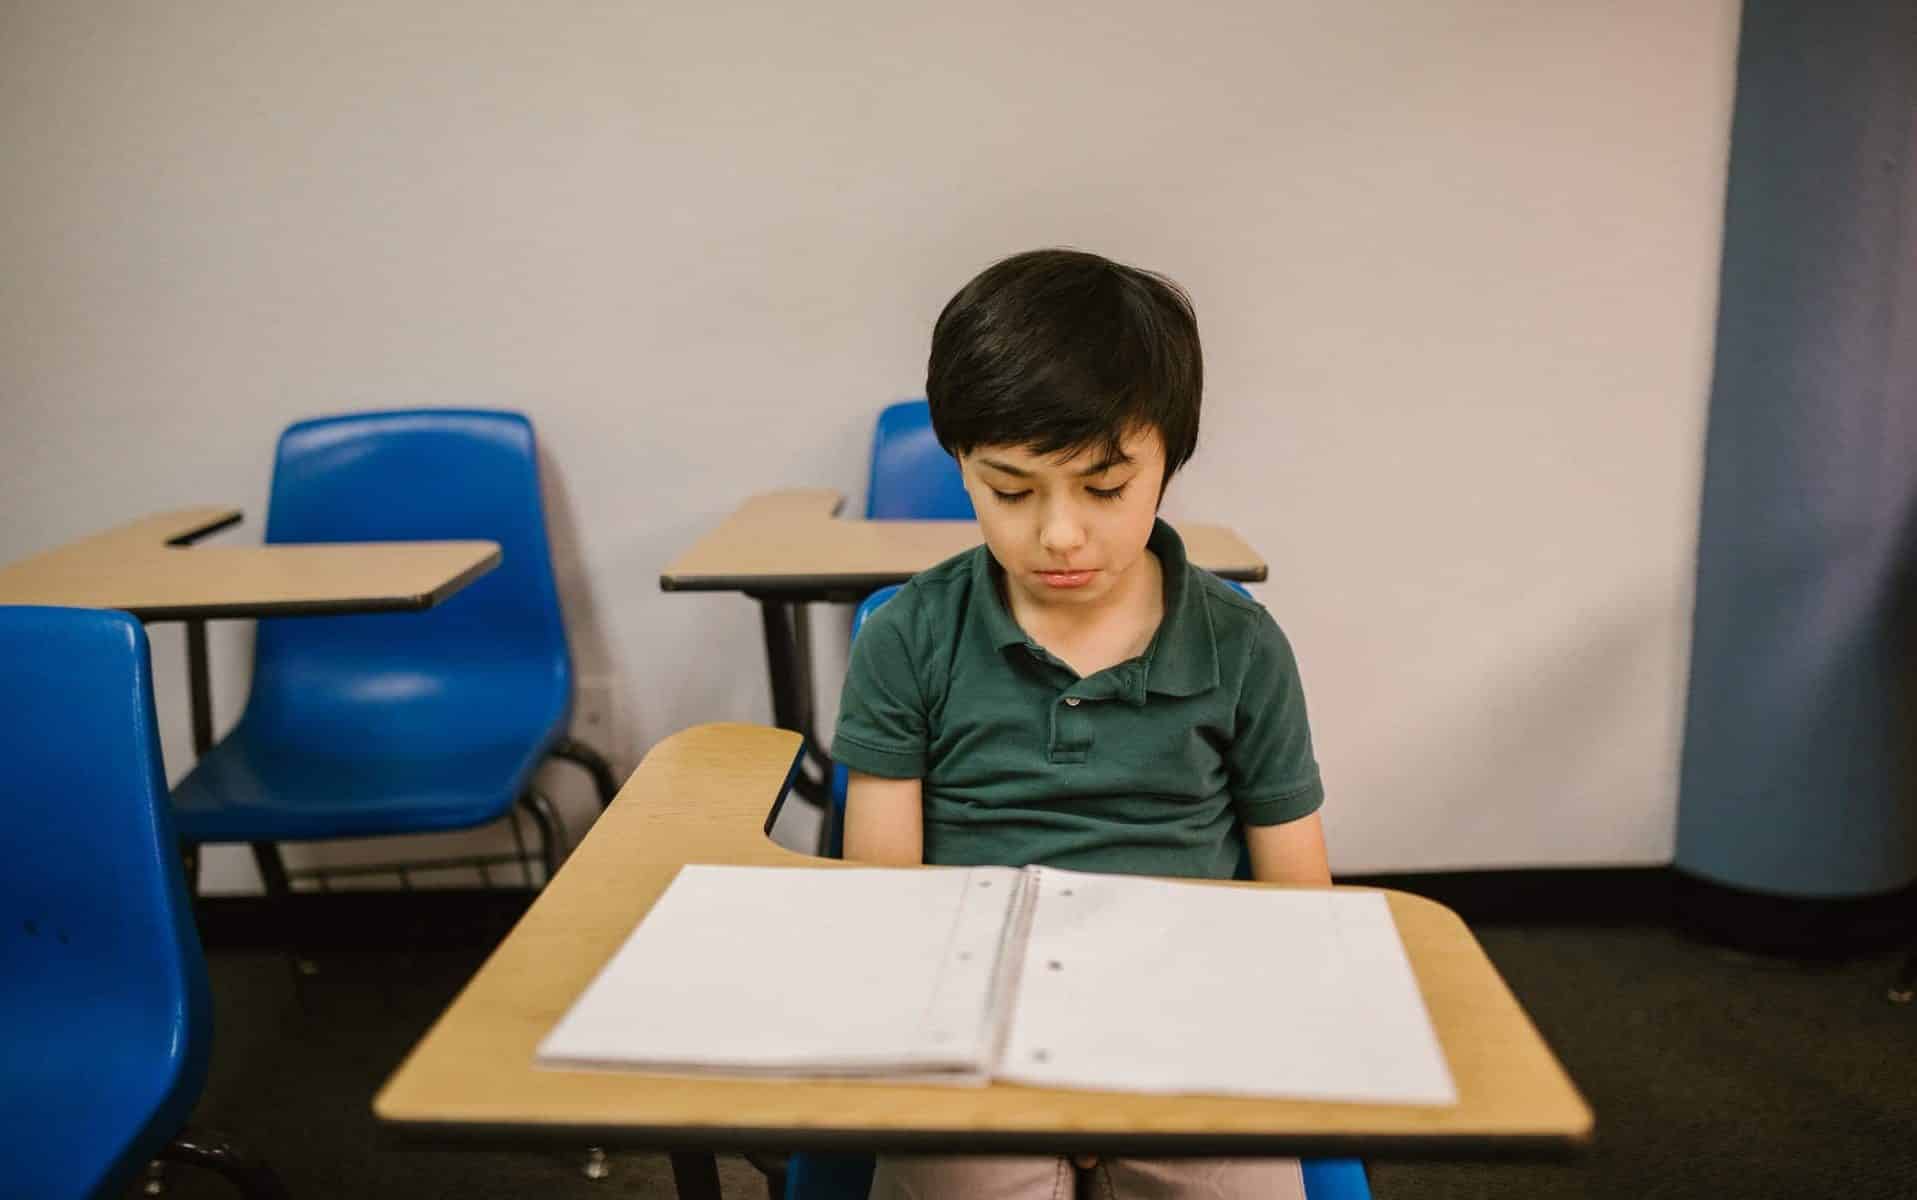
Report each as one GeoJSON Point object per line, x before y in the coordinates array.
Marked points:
{"type": "Point", "coordinates": [1066, 579]}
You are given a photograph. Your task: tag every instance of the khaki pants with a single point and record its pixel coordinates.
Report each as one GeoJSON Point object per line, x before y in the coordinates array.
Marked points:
{"type": "Point", "coordinates": [968, 1177]}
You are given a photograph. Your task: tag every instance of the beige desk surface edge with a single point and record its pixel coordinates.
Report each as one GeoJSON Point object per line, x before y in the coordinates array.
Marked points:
{"type": "Point", "coordinates": [794, 534]}
{"type": "Point", "coordinates": [701, 796]}
{"type": "Point", "coordinates": [143, 568]}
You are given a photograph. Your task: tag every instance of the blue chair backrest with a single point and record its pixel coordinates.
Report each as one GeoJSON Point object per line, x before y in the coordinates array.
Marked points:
{"type": "Point", "coordinates": [872, 604]}
{"type": "Point", "coordinates": [913, 478]}
{"type": "Point", "coordinates": [496, 649]}
{"type": "Point", "coordinates": [105, 992]}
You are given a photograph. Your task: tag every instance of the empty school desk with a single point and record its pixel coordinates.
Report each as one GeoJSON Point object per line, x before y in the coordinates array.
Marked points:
{"type": "Point", "coordinates": [703, 796]}
{"type": "Point", "coordinates": [787, 549]}
{"type": "Point", "coordinates": [151, 568]}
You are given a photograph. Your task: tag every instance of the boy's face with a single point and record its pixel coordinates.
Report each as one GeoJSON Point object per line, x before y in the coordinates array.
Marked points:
{"type": "Point", "coordinates": [1068, 531]}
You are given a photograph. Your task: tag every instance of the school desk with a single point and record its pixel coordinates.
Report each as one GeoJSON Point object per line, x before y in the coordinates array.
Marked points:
{"type": "Point", "coordinates": [152, 569]}
{"type": "Point", "coordinates": [704, 795]}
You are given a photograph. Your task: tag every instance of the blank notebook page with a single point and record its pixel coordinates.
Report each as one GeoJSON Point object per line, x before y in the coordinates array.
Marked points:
{"type": "Point", "coordinates": [796, 970]}
{"type": "Point", "coordinates": [1135, 984]}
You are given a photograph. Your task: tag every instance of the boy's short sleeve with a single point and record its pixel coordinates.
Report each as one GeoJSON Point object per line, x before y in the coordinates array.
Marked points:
{"type": "Point", "coordinates": [882, 710]}
{"type": "Point", "coordinates": [1274, 774]}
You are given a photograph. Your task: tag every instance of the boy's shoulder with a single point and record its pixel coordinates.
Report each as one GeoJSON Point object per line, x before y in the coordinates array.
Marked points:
{"type": "Point", "coordinates": [1234, 614]}
{"type": "Point", "coordinates": [932, 599]}
{"type": "Point", "coordinates": [1217, 594]}
{"type": "Point", "coordinates": [1246, 640]}
{"type": "Point", "coordinates": [958, 571]}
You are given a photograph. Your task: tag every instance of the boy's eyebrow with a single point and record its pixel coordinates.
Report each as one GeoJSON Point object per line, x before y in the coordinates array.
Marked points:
{"type": "Point", "coordinates": [1117, 459]}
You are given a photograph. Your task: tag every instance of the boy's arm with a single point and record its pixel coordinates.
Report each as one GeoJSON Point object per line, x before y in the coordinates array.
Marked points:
{"type": "Point", "coordinates": [1293, 852]}
{"type": "Point", "coordinates": [884, 824]}
{"type": "Point", "coordinates": [1274, 774]}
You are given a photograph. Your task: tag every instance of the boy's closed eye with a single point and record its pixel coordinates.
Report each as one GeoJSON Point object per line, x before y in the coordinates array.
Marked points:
{"type": "Point", "coordinates": [1107, 494]}
{"type": "Point", "coordinates": [1104, 479]}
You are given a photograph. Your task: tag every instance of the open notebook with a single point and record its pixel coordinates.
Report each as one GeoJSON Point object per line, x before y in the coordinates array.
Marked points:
{"type": "Point", "coordinates": [1036, 976]}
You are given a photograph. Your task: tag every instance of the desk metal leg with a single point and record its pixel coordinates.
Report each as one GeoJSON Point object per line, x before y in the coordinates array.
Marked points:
{"type": "Point", "coordinates": [788, 652]}
{"type": "Point", "coordinates": [200, 698]}
{"type": "Point", "coordinates": [198, 688]}
{"type": "Point", "coordinates": [695, 1175]}
{"type": "Point", "coordinates": [266, 855]}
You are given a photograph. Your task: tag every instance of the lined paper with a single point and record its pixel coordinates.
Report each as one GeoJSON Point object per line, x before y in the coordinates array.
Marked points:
{"type": "Point", "coordinates": [1144, 985]}
{"type": "Point", "coordinates": [891, 971]}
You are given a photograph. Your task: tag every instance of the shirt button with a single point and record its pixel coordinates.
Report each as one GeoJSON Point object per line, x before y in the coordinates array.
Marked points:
{"type": "Point", "coordinates": [1071, 701]}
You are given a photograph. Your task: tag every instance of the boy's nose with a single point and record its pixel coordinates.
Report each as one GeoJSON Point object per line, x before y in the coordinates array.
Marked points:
{"type": "Point", "coordinates": [1061, 533]}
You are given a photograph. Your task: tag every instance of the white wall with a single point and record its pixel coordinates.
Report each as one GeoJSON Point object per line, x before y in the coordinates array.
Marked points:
{"type": "Point", "coordinates": [1455, 265]}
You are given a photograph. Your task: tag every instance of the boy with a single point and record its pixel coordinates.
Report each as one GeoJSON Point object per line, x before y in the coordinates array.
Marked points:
{"type": "Point", "coordinates": [1075, 693]}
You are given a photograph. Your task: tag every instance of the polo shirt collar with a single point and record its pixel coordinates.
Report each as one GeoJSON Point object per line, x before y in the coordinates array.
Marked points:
{"type": "Point", "coordinates": [999, 625]}
{"type": "Point", "coordinates": [1182, 659]}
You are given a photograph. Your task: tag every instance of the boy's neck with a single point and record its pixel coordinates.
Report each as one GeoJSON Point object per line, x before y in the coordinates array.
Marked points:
{"type": "Point", "coordinates": [1117, 628]}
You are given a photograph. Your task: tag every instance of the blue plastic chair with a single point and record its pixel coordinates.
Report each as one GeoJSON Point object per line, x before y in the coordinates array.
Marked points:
{"type": "Point", "coordinates": [107, 1018]}
{"type": "Point", "coordinates": [908, 464]}
{"type": "Point", "coordinates": [411, 722]}
{"type": "Point", "coordinates": [913, 478]}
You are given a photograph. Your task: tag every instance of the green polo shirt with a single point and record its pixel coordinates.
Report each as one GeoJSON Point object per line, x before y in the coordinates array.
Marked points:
{"type": "Point", "coordinates": [1145, 768]}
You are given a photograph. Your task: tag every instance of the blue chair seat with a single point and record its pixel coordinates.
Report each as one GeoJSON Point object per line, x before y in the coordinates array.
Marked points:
{"type": "Point", "coordinates": [251, 787]}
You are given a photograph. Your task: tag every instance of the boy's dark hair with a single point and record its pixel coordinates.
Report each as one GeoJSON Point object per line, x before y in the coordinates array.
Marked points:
{"type": "Point", "coordinates": [1060, 350]}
